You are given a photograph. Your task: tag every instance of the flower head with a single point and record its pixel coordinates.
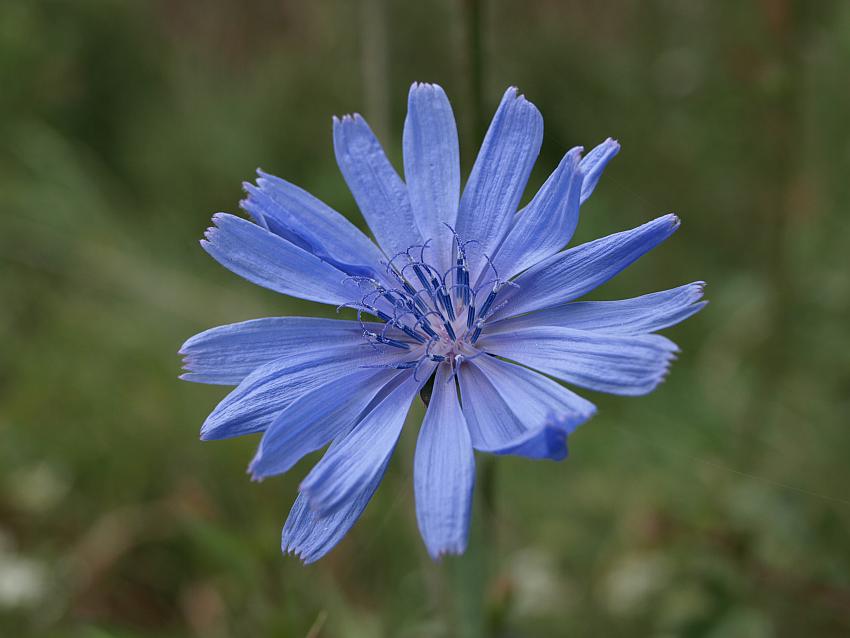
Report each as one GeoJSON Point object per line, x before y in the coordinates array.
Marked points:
{"type": "Point", "coordinates": [458, 288]}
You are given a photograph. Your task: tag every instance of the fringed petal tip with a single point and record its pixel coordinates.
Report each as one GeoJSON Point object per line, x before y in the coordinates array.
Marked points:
{"type": "Point", "coordinates": [513, 98]}
{"type": "Point", "coordinates": [208, 433]}
{"type": "Point", "coordinates": [291, 551]}
{"type": "Point", "coordinates": [570, 164]}
{"type": "Point", "coordinates": [186, 348]}
{"type": "Point", "coordinates": [438, 553]}
{"type": "Point", "coordinates": [513, 92]}
{"type": "Point", "coordinates": [696, 292]}
{"type": "Point", "coordinates": [305, 555]}
{"type": "Point", "coordinates": [425, 87]}
{"type": "Point", "coordinates": [189, 350]}
{"type": "Point", "coordinates": [347, 120]}
{"type": "Point", "coordinates": [264, 179]}
{"type": "Point", "coordinates": [212, 233]}
{"type": "Point", "coordinates": [697, 289]}
{"type": "Point", "coordinates": [672, 219]}
{"type": "Point", "coordinates": [193, 370]}
{"type": "Point", "coordinates": [601, 154]}
{"type": "Point", "coordinates": [253, 471]}
{"type": "Point", "coordinates": [519, 100]}
{"type": "Point", "coordinates": [252, 192]}
{"type": "Point", "coordinates": [664, 370]}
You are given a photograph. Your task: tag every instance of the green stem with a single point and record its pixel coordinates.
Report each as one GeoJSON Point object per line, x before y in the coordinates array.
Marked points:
{"type": "Point", "coordinates": [480, 566]}
{"type": "Point", "coordinates": [474, 18]}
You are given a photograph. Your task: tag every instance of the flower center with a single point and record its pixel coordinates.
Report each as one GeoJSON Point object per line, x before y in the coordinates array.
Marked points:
{"type": "Point", "coordinates": [438, 315]}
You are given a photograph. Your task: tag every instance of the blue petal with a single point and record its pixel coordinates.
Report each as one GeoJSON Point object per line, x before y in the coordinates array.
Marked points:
{"type": "Point", "coordinates": [432, 167]}
{"type": "Point", "coordinates": [315, 418]}
{"type": "Point", "coordinates": [377, 188]}
{"type": "Point", "coordinates": [499, 176]}
{"type": "Point", "coordinates": [267, 260]}
{"type": "Point", "coordinates": [310, 536]}
{"type": "Point", "coordinates": [227, 354]}
{"type": "Point", "coordinates": [257, 401]}
{"type": "Point", "coordinates": [312, 225]}
{"type": "Point", "coordinates": [547, 442]}
{"type": "Point", "coordinates": [640, 315]}
{"type": "Point", "coordinates": [347, 468]}
{"type": "Point", "coordinates": [444, 471]}
{"type": "Point", "coordinates": [512, 410]}
{"type": "Point", "coordinates": [577, 271]}
{"type": "Point", "coordinates": [593, 165]}
{"type": "Point", "coordinates": [628, 365]}
{"type": "Point", "coordinates": [548, 222]}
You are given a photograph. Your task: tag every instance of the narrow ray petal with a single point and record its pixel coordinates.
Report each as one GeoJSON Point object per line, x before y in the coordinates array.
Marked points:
{"type": "Point", "coordinates": [617, 364]}
{"type": "Point", "coordinates": [432, 167]}
{"type": "Point", "coordinates": [377, 188]}
{"type": "Point", "coordinates": [315, 418]}
{"type": "Point", "coordinates": [257, 401]}
{"type": "Point", "coordinates": [593, 165]}
{"type": "Point", "coordinates": [350, 466]}
{"type": "Point", "coordinates": [577, 271]}
{"type": "Point", "coordinates": [639, 315]}
{"type": "Point", "coordinates": [513, 410]}
{"type": "Point", "coordinates": [498, 178]}
{"type": "Point", "coordinates": [309, 223]}
{"type": "Point", "coordinates": [310, 536]}
{"type": "Point", "coordinates": [547, 224]}
{"type": "Point", "coordinates": [444, 471]}
{"type": "Point", "coordinates": [225, 355]}
{"type": "Point", "coordinates": [267, 260]}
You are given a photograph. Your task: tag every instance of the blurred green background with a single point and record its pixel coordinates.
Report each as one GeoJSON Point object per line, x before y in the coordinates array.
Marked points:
{"type": "Point", "coordinates": [716, 507]}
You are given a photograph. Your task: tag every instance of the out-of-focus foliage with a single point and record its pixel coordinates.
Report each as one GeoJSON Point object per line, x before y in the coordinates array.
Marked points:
{"type": "Point", "coordinates": [716, 507]}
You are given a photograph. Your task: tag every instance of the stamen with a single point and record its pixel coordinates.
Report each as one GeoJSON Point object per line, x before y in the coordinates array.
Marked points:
{"type": "Point", "coordinates": [462, 277]}
{"type": "Point", "coordinates": [380, 314]}
{"type": "Point", "coordinates": [390, 297]}
{"type": "Point", "coordinates": [387, 341]}
{"type": "Point", "coordinates": [450, 331]}
{"type": "Point", "coordinates": [423, 323]}
{"type": "Point", "coordinates": [464, 282]}
{"type": "Point", "coordinates": [402, 365]}
{"type": "Point", "coordinates": [410, 333]}
{"type": "Point", "coordinates": [417, 270]}
{"type": "Point", "coordinates": [488, 302]}
{"type": "Point", "coordinates": [447, 302]}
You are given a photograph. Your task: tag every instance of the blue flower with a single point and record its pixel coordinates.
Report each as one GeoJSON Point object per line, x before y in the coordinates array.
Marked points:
{"type": "Point", "coordinates": [458, 288]}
